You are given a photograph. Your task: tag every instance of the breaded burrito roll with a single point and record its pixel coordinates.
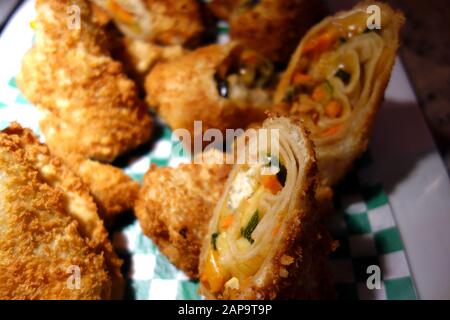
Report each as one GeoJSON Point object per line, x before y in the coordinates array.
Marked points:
{"type": "Point", "coordinates": [90, 106]}
{"type": "Point", "coordinates": [162, 21]}
{"type": "Point", "coordinates": [175, 205]}
{"type": "Point", "coordinates": [265, 240]}
{"type": "Point", "coordinates": [270, 27]}
{"type": "Point", "coordinates": [224, 86]}
{"type": "Point", "coordinates": [75, 197]}
{"type": "Point", "coordinates": [336, 82]}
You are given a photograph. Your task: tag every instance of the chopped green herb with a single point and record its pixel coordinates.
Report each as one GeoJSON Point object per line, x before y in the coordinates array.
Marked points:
{"type": "Point", "coordinates": [292, 91]}
{"type": "Point", "coordinates": [265, 72]}
{"type": "Point", "coordinates": [214, 240]}
{"type": "Point", "coordinates": [329, 87]}
{"type": "Point", "coordinates": [289, 94]}
{"type": "Point", "coordinates": [251, 225]}
{"type": "Point", "coordinates": [343, 75]}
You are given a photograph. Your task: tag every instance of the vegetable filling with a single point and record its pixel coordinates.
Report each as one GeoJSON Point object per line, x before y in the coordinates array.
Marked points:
{"type": "Point", "coordinates": [238, 223]}
{"type": "Point", "coordinates": [324, 75]}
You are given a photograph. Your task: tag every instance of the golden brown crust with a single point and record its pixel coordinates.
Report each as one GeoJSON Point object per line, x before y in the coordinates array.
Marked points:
{"type": "Point", "coordinates": [139, 57]}
{"type": "Point", "coordinates": [184, 91]}
{"type": "Point", "coordinates": [92, 108]}
{"type": "Point", "coordinates": [76, 199]}
{"type": "Point", "coordinates": [39, 241]}
{"type": "Point", "coordinates": [271, 27]}
{"type": "Point", "coordinates": [174, 207]}
{"type": "Point", "coordinates": [113, 190]}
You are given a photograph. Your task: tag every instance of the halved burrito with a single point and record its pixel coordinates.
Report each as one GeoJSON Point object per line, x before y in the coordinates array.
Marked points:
{"type": "Point", "coordinates": [265, 240]}
{"type": "Point", "coordinates": [270, 27]}
{"type": "Point", "coordinates": [162, 21]}
{"type": "Point", "coordinates": [175, 205]}
{"type": "Point", "coordinates": [224, 86]}
{"type": "Point", "coordinates": [336, 82]}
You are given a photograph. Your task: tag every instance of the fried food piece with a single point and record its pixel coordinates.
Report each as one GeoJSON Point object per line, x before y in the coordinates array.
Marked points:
{"type": "Point", "coordinates": [91, 107]}
{"type": "Point", "coordinates": [174, 207]}
{"type": "Point", "coordinates": [265, 239]}
{"type": "Point", "coordinates": [139, 57]}
{"type": "Point", "coordinates": [224, 86]}
{"type": "Point", "coordinates": [39, 239]}
{"type": "Point", "coordinates": [270, 27]}
{"type": "Point", "coordinates": [113, 191]}
{"type": "Point", "coordinates": [75, 197]}
{"type": "Point", "coordinates": [336, 81]}
{"type": "Point", "coordinates": [167, 22]}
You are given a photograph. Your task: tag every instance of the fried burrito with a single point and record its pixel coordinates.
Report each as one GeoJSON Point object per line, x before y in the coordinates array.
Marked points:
{"type": "Point", "coordinates": [265, 240]}
{"type": "Point", "coordinates": [224, 86]}
{"type": "Point", "coordinates": [336, 82]}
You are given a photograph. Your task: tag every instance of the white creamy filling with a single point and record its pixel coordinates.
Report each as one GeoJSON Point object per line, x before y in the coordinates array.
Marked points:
{"type": "Point", "coordinates": [244, 185]}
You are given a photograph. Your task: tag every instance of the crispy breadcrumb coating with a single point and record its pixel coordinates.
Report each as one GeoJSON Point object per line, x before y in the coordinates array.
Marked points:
{"type": "Point", "coordinates": [91, 107]}
{"type": "Point", "coordinates": [174, 207]}
{"type": "Point", "coordinates": [139, 57]}
{"type": "Point", "coordinates": [75, 197]}
{"type": "Point", "coordinates": [113, 191]}
{"type": "Point", "coordinates": [39, 240]}
{"type": "Point", "coordinates": [184, 90]}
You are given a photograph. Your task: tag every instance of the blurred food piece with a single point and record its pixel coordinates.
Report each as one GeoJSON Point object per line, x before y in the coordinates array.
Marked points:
{"type": "Point", "coordinates": [167, 22]}
{"type": "Point", "coordinates": [175, 205]}
{"type": "Point", "coordinates": [139, 57]}
{"type": "Point", "coordinates": [91, 107]}
{"type": "Point", "coordinates": [113, 191]}
{"type": "Point", "coordinates": [224, 86]}
{"type": "Point", "coordinates": [270, 27]}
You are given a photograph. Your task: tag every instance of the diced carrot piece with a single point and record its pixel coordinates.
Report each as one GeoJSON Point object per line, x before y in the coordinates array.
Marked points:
{"type": "Point", "coordinates": [271, 183]}
{"type": "Point", "coordinates": [319, 94]}
{"type": "Point", "coordinates": [212, 276]}
{"type": "Point", "coordinates": [299, 79]}
{"type": "Point", "coordinates": [226, 222]}
{"type": "Point", "coordinates": [322, 42]}
{"type": "Point", "coordinates": [330, 131]}
{"type": "Point", "coordinates": [333, 109]}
